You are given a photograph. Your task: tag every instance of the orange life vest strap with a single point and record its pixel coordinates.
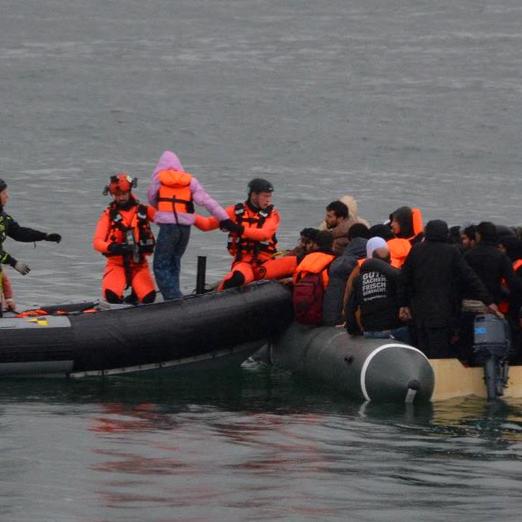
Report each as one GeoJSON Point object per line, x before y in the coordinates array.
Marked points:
{"type": "Point", "coordinates": [239, 246]}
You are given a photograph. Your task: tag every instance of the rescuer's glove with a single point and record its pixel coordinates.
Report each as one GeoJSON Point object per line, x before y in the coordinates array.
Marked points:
{"type": "Point", "coordinates": [21, 267]}
{"type": "Point", "coordinates": [229, 226]}
{"type": "Point", "coordinates": [55, 238]}
{"type": "Point", "coordinates": [119, 249]}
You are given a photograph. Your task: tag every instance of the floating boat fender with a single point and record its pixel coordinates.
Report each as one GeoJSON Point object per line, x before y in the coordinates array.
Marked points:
{"type": "Point", "coordinates": [382, 370]}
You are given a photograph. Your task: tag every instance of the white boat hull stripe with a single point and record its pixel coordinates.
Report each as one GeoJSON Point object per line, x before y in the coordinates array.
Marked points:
{"type": "Point", "coordinates": [368, 360]}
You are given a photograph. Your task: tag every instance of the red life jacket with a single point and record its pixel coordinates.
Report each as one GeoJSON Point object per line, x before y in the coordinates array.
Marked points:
{"type": "Point", "coordinates": [247, 249]}
{"type": "Point", "coordinates": [310, 282]}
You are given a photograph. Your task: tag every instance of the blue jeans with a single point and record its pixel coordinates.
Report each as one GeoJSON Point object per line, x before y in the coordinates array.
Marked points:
{"type": "Point", "coordinates": [170, 246]}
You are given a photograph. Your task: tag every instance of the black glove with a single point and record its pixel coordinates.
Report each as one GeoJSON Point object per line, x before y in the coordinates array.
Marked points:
{"type": "Point", "coordinates": [119, 249]}
{"type": "Point", "coordinates": [21, 267]}
{"type": "Point", "coordinates": [229, 226]}
{"type": "Point", "coordinates": [55, 238]}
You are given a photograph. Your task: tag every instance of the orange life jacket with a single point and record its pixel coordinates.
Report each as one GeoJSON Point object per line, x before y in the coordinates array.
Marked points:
{"type": "Point", "coordinates": [241, 247]}
{"type": "Point", "coordinates": [399, 250]}
{"type": "Point", "coordinates": [400, 246]}
{"type": "Point", "coordinates": [503, 306]}
{"type": "Point", "coordinates": [176, 198]}
{"type": "Point", "coordinates": [315, 263]}
{"type": "Point", "coordinates": [416, 220]}
{"type": "Point", "coordinates": [130, 225]}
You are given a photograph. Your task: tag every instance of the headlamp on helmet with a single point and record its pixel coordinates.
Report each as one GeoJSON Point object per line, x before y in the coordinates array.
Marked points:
{"type": "Point", "coordinates": [121, 182]}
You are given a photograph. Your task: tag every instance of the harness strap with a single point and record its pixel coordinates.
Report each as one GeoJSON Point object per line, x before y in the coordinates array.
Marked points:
{"type": "Point", "coordinates": [189, 204]}
{"type": "Point", "coordinates": [247, 245]}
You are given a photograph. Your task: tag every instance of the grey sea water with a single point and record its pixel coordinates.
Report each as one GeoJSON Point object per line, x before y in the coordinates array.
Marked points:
{"type": "Point", "coordinates": [394, 101]}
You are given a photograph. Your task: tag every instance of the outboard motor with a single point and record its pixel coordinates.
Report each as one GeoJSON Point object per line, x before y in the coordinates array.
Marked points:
{"type": "Point", "coordinates": [491, 345]}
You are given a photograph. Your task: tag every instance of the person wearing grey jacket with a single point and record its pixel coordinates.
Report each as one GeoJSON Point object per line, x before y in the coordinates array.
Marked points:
{"type": "Point", "coordinates": [340, 270]}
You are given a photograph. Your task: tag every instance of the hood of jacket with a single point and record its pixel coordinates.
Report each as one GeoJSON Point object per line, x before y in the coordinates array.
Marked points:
{"type": "Point", "coordinates": [168, 161]}
{"type": "Point", "coordinates": [403, 215]}
{"type": "Point", "coordinates": [169, 171]}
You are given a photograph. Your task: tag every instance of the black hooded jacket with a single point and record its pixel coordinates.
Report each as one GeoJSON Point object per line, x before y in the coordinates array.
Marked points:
{"type": "Point", "coordinates": [431, 277]}
{"type": "Point", "coordinates": [492, 266]}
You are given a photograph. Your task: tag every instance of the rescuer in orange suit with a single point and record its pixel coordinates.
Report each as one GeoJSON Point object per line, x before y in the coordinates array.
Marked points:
{"type": "Point", "coordinates": [252, 238]}
{"type": "Point", "coordinates": [124, 236]}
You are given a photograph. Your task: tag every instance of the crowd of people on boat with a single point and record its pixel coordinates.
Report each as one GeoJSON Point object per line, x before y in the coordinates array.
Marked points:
{"type": "Point", "coordinates": [423, 285]}
{"type": "Point", "coordinates": [401, 279]}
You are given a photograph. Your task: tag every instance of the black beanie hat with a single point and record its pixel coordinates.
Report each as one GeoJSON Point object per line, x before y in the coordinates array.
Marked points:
{"type": "Point", "coordinates": [381, 230]}
{"type": "Point", "coordinates": [3, 185]}
{"type": "Point", "coordinates": [436, 230]}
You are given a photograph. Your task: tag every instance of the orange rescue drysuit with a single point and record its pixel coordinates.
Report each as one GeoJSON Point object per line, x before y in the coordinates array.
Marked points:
{"type": "Point", "coordinates": [129, 226]}
{"type": "Point", "coordinates": [253, 251]}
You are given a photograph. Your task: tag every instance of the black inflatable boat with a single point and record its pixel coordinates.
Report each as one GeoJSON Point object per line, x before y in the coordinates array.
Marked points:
{"type": "Point", "coordinates": [380, 370]}
{"type": "Point", "coordinates": [204, 330]}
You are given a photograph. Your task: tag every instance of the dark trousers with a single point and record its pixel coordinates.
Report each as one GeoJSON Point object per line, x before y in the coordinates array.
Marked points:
{"type": "Point", "coordinates": [170, 247]}
{"type": "Point", "coordinates": [434, 342]}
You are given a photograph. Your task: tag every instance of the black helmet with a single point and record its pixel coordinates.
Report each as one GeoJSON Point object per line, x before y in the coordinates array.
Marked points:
{"type": "Point", "coordinates": [3, 185]}
{"type": "Point", "coordinates": [260, 185]}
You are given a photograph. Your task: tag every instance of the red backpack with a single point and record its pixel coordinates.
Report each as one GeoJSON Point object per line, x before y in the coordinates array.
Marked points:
{"type": "Point", "coordinates": [308, 299]}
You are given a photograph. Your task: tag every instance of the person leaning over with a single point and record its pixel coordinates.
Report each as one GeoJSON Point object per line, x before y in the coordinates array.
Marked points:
{"type": "Point", "coordinates": [252, 241]}
{"type": "Point", "coordinates": [173, 192]}
{"type": "Point", "coordinates": [10, 228]}
{"type": "Point", "coordinates": [123, 235]}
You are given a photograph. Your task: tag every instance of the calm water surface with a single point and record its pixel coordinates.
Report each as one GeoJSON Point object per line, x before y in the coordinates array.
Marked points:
{"type": "Point", "coordinates": [397, 102]}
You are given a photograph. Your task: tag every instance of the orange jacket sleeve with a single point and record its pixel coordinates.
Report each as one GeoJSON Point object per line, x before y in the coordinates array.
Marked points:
{"type": "Point", "coordinates": [100, 240]}
{"type": "Point", "coordinates": [206, 224]}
